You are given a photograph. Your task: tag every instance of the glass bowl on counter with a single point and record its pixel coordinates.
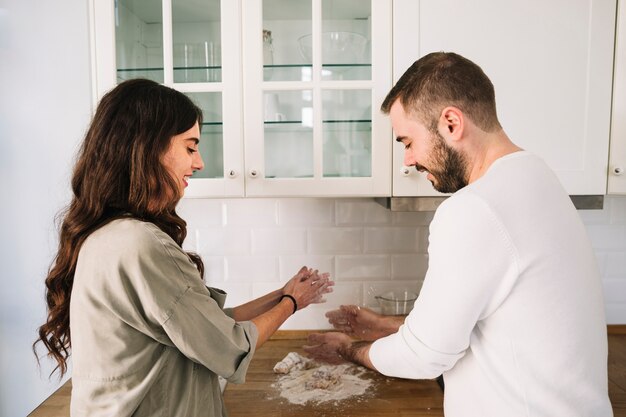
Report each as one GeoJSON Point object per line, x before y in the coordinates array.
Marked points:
{"type": "Point", "coordinates": [395, 303]}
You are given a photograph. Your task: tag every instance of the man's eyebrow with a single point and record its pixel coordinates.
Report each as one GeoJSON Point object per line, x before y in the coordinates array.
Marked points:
{"type": "Point", "coordinates": [400, 138]}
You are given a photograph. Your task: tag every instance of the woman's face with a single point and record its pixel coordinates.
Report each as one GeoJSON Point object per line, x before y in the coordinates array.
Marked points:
{"type": "Point", "coordinates": [183, 157]}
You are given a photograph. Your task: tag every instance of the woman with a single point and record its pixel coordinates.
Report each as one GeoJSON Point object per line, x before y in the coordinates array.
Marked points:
{"type": "Point", "coordinates": [147, 337]}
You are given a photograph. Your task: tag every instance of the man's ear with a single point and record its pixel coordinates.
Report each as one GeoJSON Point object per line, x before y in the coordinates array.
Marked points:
{"type": "Point", "coordinates": [451, 123]}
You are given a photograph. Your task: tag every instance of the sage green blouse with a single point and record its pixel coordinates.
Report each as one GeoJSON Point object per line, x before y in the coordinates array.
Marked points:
{"type": "Point", "coordinates": [148, 337]}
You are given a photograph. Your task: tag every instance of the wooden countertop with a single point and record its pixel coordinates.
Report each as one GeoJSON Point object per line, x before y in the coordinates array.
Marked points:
{"type": "Point", "coordinates": [391, 397]}
{"type": "Point", "coordinates": [387, 397]}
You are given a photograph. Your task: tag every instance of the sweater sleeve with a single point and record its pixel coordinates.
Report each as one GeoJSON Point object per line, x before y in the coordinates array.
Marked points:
{"type": "Point", "coordinates": [472, 267]}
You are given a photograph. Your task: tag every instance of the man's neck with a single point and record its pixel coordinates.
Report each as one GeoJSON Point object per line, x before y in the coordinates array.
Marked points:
{"type": "Point", "coordinates": [492, 147]}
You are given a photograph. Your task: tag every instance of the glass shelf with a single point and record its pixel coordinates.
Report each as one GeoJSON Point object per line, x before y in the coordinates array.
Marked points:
{"type": "Point", "coordinates": [329, 125]}
{"type": "Point", "coordinates": [155, 74]}
{"type": "Point", "coordinates": [181, 74]}
{"type": "Point", "coordinates": [304, 72]}
{"type": "Point", "coordinates": [214, 74]}
{"type": "Point", "coordinates": [311, 65]}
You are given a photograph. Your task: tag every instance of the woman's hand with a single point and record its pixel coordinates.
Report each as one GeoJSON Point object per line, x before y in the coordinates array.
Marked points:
{"type": "Point", "coordinates": [363, 323]}
{"type": "Point", "coordinates": [308, 286]}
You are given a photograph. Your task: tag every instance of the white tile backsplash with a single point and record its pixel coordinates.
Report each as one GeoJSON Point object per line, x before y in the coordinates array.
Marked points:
{"type": "Point", "coordinates": [615, 266]}
{"type": "Point", "coordinates": [412, 266]}
{"type": "Point", "coordinates": [214, 270]}
{"type": "Point", "coordinates": [253, 246]}
{"type": "Point", "coordinates": [279, 241]}
{"type": "Point", "coordinates": [201, 213]}
{"type": "Point", "coordinates": [336, 240]}
{"type": "Point", "coordinates": [414, 218]}
{"type": "Point", "coordinates": [617, 210]}
{"type": "Point", "coordinates": [251, 268]}
{"type": "Point", "coordinates": [289, 265]}
{"type": "Point", "coordinates": [614, 291]}
{"type": "Point", "coordinates": [607, 236]}
{"type": "Point", "coordinates": [362, 267]}
{"type": "Point", "coordinates": [223, 241]}
{"type": "Point", "coordinates": [362, 212]}
{"type": "Point", "coordinates": [306, 212]}
{"type": "Point", "coordinates": [394, 240]}
{"type": "Point", "coordinates": [251, 212]}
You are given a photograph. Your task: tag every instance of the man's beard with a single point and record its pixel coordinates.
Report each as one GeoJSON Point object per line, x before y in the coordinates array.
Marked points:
{"type": "Point", "coordinates": [447, 166]}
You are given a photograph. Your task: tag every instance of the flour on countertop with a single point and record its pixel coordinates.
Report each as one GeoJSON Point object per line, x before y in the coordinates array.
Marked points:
{"type": "Point", "coordinates": [304, 380]}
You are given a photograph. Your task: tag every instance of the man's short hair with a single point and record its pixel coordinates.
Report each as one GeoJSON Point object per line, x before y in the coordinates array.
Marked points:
{"type": "Point", "coordinates": [442, 79]}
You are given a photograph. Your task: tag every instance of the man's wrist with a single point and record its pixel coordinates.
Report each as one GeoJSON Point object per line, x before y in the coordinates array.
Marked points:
{"type": "Point", "coordinates": [356, 352]}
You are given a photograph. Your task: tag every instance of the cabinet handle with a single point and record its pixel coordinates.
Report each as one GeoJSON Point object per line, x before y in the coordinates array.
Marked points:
{"type": "Point", "coordinates": [618, 170]}
{"type": "Point", "coordinates": [232, 173]}
{"type": "Point", "coordinates": [406, 171]}
{"type": "Point", "coordinates": [253, 173]}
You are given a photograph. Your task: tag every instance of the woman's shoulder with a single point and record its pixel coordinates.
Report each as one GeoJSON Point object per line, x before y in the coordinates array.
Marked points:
{"type": "Point", "coordinates": [128, 233]}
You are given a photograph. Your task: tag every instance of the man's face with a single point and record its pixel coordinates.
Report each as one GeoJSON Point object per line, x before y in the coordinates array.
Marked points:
{"type": "Point", "coordinates": [428, 152]}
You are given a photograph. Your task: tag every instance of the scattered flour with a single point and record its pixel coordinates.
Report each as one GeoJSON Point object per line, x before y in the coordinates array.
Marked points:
{"type": "Point", "coordinates": [304, 380]}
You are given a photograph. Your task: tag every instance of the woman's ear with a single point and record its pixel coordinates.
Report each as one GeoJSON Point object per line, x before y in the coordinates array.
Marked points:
{"type": "Point", "coordinates": [451, 123]}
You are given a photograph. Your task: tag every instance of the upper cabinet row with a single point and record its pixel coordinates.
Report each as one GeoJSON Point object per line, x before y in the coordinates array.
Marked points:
{"type": "Point", "coordinates": [291, 89]}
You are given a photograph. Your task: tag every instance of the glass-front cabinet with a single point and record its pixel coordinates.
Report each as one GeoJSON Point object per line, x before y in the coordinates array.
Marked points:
{"type": "Point", "coordinates": [290, 89]}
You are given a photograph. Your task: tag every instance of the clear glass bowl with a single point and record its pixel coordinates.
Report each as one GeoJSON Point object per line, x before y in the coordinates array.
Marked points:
{"type": "Point", "coordinates": [338, 48]}
{"type": "Point", "coordinates": [396, 302]}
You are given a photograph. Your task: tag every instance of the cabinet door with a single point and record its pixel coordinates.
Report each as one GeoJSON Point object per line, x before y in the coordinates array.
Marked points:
{"type": "Point", "coordinates": [617, 165]}
{"type": "Point", "coordinates": [181, 44]}
{"type": "Point", "coordinates": [315, 73]}
{"type": "Point", "coordinates": [550, 63]}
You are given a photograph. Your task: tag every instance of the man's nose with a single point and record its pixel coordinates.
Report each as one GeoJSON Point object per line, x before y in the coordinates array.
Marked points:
{"type": "Point", "coordinates": [409, 160]}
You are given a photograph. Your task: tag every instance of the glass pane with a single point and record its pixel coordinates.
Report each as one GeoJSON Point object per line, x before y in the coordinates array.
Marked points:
{"type": "Point", "coordinates": [197, 41]}
{"type": "Point", "coordinates": [211, 137]}
{"type": "Point", "coordinates": [346, 46]}
{"type": "Point", "coordinates": [285, 54]}
{"type": "Point", "coordinates": [139, 39]}
{"type": "Point", "coordinates": [347, 133]}
{"type": "Point", "coordinates": [288, 134]}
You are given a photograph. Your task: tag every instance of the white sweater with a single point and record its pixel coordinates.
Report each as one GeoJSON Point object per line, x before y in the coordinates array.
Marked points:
{"type": "Point", "coordinates": [511, 310]}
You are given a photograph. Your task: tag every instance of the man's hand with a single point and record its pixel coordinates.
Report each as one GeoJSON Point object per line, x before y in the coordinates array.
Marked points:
{"type": "Point", "coordinates": [326, 347]}
{"type": "Point", "coordinates": [363, 323]}
{"type": "Point", "coordinates": [336, 348]}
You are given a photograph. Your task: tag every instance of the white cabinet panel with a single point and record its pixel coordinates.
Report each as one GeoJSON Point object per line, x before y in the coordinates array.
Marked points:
{"type": "Point", "coordinates": [550, 63]}
{"type": "Point", "coordinates": [617, 161]}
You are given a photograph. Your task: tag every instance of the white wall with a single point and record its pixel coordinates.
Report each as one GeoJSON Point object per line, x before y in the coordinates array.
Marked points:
{"type": "Point", "coordinates": [45, 104]}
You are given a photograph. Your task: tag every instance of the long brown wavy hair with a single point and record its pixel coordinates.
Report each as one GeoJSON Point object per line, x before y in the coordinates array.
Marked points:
{"type": "Point", "coordinates": [118, 173]}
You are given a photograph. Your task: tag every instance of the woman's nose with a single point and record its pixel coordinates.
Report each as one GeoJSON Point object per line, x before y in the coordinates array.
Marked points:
{"type": "Point", "coordinates": [198, 163]}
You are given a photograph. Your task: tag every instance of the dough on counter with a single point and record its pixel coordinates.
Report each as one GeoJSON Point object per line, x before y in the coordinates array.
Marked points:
{"type": "Point", "coordinates": [323, 379]}
{"type": "Point", "coordinates": [304, 380]}
{"type": "Point", "coordinates": [290, 361]}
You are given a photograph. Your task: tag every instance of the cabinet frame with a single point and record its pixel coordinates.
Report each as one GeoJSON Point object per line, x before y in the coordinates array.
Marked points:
{"type": "Point", "coordinates": [242, 89]}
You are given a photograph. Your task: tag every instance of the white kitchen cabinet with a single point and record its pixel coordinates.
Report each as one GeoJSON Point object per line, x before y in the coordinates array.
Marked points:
{"type": "Point", "coordinates": [290, 89]}
{"type": "Point", "coordinates": [551, 65]}
{"type": "Point", "coordinates": [617, 159]}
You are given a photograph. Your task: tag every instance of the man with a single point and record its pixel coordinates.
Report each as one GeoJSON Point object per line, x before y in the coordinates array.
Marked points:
{"type": "Point", "coordinates": [511, 310]}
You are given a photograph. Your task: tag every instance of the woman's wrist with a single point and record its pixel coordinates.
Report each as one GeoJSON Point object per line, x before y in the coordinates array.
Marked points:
{"type": "Point", "coordinates": [293, 300]}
